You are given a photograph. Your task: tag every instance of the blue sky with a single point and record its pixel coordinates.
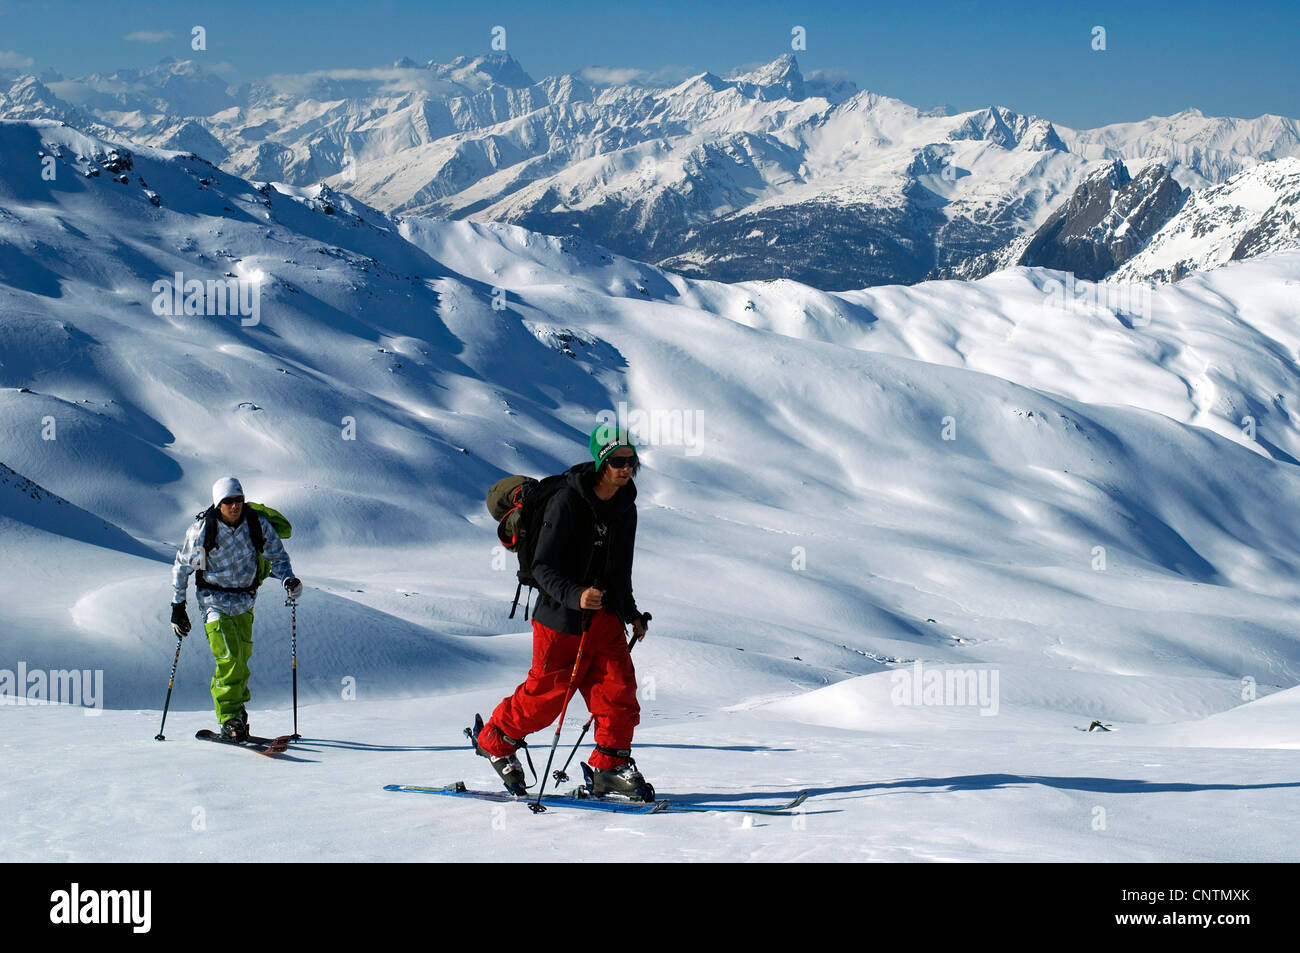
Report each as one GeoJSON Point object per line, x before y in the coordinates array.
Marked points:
{"type": "Point", "coordinates": [1225, 59]}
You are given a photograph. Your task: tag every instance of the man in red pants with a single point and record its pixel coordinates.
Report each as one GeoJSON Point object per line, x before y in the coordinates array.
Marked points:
{"type": "Point", "coordinates": [583, 567]}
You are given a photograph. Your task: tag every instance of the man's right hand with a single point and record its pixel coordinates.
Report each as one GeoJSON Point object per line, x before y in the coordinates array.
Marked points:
{"type": "Point", "coordinates": [180, 619]}
{"type": "Point", "coordinates": [592, 599]}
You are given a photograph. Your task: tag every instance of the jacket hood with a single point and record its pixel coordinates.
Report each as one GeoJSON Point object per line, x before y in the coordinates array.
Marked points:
{"type": "Point", "coordinates": [582, 480]}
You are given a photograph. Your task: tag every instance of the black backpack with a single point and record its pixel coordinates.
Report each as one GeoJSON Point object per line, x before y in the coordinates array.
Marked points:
{"type": "Point", "coordinates": [518, 504]}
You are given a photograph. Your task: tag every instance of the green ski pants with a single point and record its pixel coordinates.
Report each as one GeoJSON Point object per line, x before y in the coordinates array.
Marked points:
{"type": "Point", "coordinates": [231, 639]}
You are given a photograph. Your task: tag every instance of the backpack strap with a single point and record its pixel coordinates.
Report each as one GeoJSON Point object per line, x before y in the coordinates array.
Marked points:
{"type": "Point", "coordinates": [209, 517]}
{"type": "Point", "coordinates": [255, 536]}
{"type": "Point", "coordinates": [515, 605]}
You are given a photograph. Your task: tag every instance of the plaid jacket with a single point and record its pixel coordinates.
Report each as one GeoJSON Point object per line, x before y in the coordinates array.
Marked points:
{"type": "Point", "coordinates": [233, 563]}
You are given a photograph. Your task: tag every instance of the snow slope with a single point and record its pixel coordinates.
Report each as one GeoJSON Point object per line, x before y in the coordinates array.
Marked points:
{"type": "Point", "coordinates": [806, 534]}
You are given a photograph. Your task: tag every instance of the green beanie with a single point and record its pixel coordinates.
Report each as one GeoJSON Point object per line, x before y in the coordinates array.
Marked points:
{"type": "Point", "coordinates": [605, 439]}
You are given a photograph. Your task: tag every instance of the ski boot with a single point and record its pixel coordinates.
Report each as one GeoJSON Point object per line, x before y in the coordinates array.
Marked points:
{"type": "Point", "coordinates": [624, 782]}
{"type": "Point", "coordinates": [508, 768]}
{"type": "Point", "coordinates": [234, 729]}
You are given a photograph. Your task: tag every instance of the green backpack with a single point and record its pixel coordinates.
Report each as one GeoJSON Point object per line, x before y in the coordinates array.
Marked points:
{"type": "Point", "coordinates": [283, 528]}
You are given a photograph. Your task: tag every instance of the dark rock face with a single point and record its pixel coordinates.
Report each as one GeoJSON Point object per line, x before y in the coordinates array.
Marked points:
{"type": "Point", "coordinates": [1106, 221]}
{"type": "Point", "coordinates": [1278, 228]}
{"type": "Point", "coordinates": [829, 246]}
{"type": "Point", "coordinates": [974, 267]}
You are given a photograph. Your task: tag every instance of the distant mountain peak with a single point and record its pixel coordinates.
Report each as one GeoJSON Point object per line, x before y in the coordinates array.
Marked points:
{"type": "Point", "coordinates": [1042, 136]}
{"type": "Point", "coordinates": [1112, 171]}
{"type": "Point", "coordinates": [499, 68]}
{"type": "Point", "coordinates": [782, 74]}
{"type": "Point", "coordinates": [784, 65]}
{"type": "Point", "coordinates": [28, 90]}
{"type": "Point", "coordinates": [711, 81]}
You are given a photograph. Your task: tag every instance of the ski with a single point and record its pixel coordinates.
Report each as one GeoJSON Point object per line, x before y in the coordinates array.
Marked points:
{"type": "Point", "coordinates": [266, 746]}
{"type": "Point", "coordinates": [774, 809]}
{"type": "Point", "coordinates": [551, 800]}
{"type": "Point", "coordinates": [574, 800]}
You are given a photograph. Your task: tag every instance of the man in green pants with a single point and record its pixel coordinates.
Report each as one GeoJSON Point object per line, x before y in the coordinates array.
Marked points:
{"type": "Point", "coordinates": [222, 550]}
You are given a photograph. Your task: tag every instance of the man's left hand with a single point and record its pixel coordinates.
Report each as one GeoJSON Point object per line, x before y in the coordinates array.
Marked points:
{"type": "Point", "coordinates": [293, 587]}
{"type": "Point", "coordinates": [639, 626]}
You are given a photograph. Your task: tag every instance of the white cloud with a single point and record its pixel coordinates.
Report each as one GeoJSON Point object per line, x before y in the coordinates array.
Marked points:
{"type": "Point", "coordinates": [829, 76]}
{"type": "Point", "coordinates": [384, 79]}
{"type": "Point", "coordinates": [11, 60]}
{"type": "Point", "coordinates": [612, 76]}
{"type": "Point", "coordinates": [618, 76]}
{"type": "Point", "coordinates": [148, 36]}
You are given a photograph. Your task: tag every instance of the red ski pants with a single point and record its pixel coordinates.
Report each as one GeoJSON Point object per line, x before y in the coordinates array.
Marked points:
{"type": "Point", "coordinates": [606, 681]}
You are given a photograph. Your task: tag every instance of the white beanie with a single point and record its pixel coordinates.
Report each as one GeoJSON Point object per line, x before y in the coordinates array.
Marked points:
{"type": "Point", "coordinates": [226, 486]}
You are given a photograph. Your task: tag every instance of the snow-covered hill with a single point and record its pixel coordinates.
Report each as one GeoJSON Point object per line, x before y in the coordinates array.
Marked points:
{"type": "Point", "coordinates": [972, 476]}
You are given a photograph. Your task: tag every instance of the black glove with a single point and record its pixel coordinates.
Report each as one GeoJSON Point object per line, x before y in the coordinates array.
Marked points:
{"type": "Point", "coordinates": [180, 619]}
{"type": "Point", "coordinates": [293, 587]}
{"type": "Point", "coordinates": [641, 622]}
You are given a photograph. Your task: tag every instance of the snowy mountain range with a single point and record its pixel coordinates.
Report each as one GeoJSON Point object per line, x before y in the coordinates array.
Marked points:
{"type": "Point", "coordinates": [762, 174]}
{"type": "Point", "coordinates": [1126, 229]}
{"type": "Point", "coordinates": [1254, 212]}
{"type": "Point", "coordinates": [841, 492]}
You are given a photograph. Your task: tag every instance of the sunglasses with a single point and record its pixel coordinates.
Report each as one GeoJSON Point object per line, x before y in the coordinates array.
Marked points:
{"type": "Point", "coordinates": [232, 499]}
{"type": "Point", "coordinates": [621, 463]}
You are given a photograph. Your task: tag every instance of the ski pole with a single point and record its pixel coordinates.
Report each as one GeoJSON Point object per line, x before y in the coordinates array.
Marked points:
{"type": "Point", "coordinates": [170, 682]}
{"type": "Point", "coordinates": [293, 654]}
{"type": "Point", "coordinates": [537, 807]}
{"type": "Point", "coordinates": [561, 775]}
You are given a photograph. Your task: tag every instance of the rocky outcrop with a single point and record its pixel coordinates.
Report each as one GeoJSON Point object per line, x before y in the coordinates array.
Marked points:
{"type": "Point", "coordinates": [1106, 221]}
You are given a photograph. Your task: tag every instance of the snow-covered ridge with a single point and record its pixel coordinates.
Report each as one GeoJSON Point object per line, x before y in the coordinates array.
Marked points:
{"type": "Point", "coordinates": [34, 508]}
{"type": "Point", "coordinates": [1202, 150]}
{"type": "Point", "coordinates": [1255, 212]}
{"type": "Point", "coordinates": [757, 175]}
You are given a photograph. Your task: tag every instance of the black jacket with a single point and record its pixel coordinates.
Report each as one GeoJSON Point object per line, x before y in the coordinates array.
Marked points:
{"type": "Point", "coordinates": [568, 550]}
